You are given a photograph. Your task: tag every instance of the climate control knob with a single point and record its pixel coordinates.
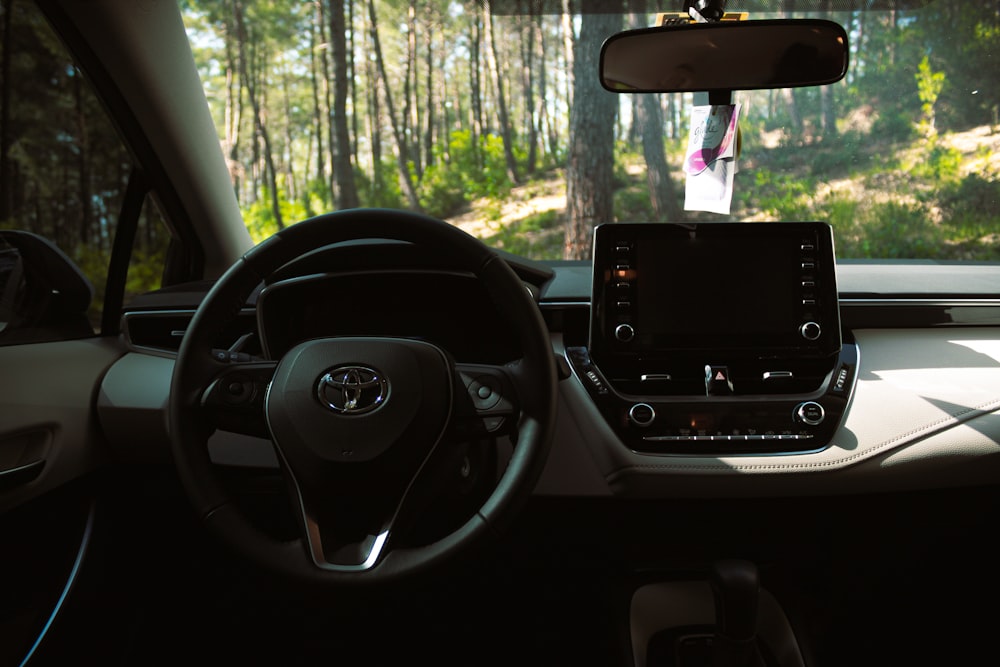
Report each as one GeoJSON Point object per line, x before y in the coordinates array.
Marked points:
{"type": "Point", "coordinates": [642, 414]}
{"type": "Point", "coordinates": [810, 413]}
{"type": "Point", "coordinates": [624, 333]}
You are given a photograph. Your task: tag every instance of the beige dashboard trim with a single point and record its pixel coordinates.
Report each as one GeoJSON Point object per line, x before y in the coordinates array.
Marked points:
{"type": "Point", "coordinates": [925, 402]}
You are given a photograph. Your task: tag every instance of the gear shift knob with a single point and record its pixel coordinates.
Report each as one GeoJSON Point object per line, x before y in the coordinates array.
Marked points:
{"type": "Point", "coordinates": [736, 588]}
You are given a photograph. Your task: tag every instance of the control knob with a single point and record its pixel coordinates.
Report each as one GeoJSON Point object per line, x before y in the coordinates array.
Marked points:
{"type": "Point", "coordinates": [624, 333]}
{"type": "Point", "coordinates": [642, 414]}
{"type": "Point", "coordinates": [810, 413]}
{"type": "Point", "coordinates": [811, 330]}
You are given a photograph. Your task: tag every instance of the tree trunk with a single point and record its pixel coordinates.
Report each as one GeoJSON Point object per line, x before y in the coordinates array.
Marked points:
{"type": "Point", "coordinates": [345, 191]}
{"type": "Point", "coordinates": [475, 82]}
{"type": "Point", "coordinates": [402, 157]}
{"type": "Point", "coordinates": [290, 185]}
{"type": "Point", "coordinates": [6, 192]}
{"type": "Point", "coordinates": [316, 65]}
{"type": "Point", "coordinates": [569, 47]}
{"type": "Point", "coordinates": [545, 125]}
{"type": "Point", "coordinates": [828, 111]}
{"type": "Point", "coordinates": [788, 94]}
{"type": "Point", "coordinates": [374, 128]}
{"type": "Point", "coordinates": [589, 195]}
{"type": "Point", "coordinates": [503, 117]}
{"type": "Point", "coordinates": [248, 83]}
{"type": "Point", "coordinates": [431, 116]}
{"type": "Point", "coordinates": [351, 71]}
{"type": "Point", "coordinates": [794, 118]}
{"type": "Point", "coordinates": [528, 78]}
{"type": "Point", "coordinates": [411, 119]}
{"type": "Point", "coordinates": [662, 193]}
{"type": "Point", "coordinates": [234, 111]}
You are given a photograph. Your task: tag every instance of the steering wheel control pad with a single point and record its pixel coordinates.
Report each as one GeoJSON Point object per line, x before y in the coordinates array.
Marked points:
{"type": "Point", "coordinates": [349, 400]}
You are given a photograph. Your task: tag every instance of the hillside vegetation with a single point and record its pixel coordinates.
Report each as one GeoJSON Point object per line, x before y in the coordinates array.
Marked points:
{"type": "Point", "coordinates": [919, 197]}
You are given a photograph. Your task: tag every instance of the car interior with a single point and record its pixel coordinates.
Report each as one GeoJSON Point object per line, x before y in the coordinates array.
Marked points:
{"type": "Point", "coordinates": [369, 436]}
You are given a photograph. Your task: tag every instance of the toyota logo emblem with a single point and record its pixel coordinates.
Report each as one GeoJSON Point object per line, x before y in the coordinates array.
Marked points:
{"type": "Point", "coordinates": [352, 390]}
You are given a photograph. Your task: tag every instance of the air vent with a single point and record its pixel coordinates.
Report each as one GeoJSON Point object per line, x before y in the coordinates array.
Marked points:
{"type": "Point", "coordinates": [163, 330]}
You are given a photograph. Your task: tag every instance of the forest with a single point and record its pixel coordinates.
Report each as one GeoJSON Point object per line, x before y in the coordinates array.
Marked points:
{"type": "Point", "coordinates": [458, 109]}
{"type": "Point", "coordinates": [433, 105]}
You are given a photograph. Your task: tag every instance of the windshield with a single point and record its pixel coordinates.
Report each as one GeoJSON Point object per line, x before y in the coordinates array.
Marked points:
{"type": "Point", "coordinates": [495, 120]}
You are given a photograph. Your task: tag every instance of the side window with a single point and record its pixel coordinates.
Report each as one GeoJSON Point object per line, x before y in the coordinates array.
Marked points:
{"type": "Point", "coordinates": [64, 174]}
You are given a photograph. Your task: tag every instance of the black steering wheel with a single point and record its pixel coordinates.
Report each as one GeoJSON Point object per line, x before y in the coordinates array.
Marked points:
{"type": "Point", "coordinates": [362, 425]}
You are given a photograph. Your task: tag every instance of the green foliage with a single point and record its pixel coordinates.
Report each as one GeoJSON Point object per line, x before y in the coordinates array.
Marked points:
{"type": "Point", "coordinates": [847, 154]}
{"type": "Point", "coordinates": [93, 262]}
{"type": "Point", "coordinates": [442, 190]}
{"type": "Point", "coordinates": [887, 230]}
{"type": "Point", "coordinates": [972, 197]}
{"type": "Point", "coordinates": [483, 165]}
{"type": "Point", "coordinates": [317, 198]}
{"type": "Point", "coordinates": [783, 197]}
{"type": "Point", "coordinates": [938, 162]}
{"type": "Point", "coordinates": [259, 216]}
{"type": "Point", "coordinates": [470, 169]}
{"type": "Point", "coordinates": [625, 155]}
{"type": "Point", "coordinates": [633, 204]}
{"type": "Point", "coordinates": [145, 271]}
{"type": "Point", "coordinates": [382, 191]}
{"type": "Point", "coordinates": [259, 219]}
{"type": "Point", "coordinates": [929, 87]}
{"type": "Point", "coordinates": [539, 236]}
{"type": "Point", "coordinates": [894, 125]}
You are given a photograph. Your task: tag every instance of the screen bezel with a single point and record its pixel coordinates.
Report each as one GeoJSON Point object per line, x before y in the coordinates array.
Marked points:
{"type": "Point", "coordinates": [736, 243]}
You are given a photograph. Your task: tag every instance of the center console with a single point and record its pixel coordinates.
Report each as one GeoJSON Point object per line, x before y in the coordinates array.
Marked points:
{"type": "Point", "coordinates": [717, 338]}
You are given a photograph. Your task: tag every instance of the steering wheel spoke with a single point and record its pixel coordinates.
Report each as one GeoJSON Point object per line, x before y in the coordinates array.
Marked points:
{"type": "Point", "coordinates": [346, 531]}
{"type": "Point", "coordinates": [234, 400]}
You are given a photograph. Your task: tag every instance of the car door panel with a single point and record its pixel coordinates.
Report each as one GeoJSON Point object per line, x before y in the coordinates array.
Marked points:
{"type": "Point", "coordinates": [49, 432]}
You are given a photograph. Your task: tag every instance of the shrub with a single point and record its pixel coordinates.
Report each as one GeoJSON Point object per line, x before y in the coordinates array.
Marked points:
{"type": "Point", "coordinates": [889, 230]}
{"type": "Point", "coordinates": [894, 126]}
{"type": "Point", "coordinates": [538, 236]}
{"type": "Point", "coordinates": [972, 196]}
{"type": "Point", "coordinates": [940, 163]}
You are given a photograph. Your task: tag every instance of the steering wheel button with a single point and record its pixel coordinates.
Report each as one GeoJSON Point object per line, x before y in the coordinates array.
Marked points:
{"type": "Point", "coordinates": [493, 424]}
{"type": "Point", "coordinates": [485, 392]}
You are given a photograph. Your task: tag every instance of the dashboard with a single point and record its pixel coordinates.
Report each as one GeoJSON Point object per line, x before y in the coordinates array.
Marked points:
{"type": "Point", "coordinates": [906, 370]}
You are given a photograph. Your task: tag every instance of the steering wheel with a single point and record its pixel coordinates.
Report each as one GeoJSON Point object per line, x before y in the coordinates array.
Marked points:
{"type": "Point", "coordinates": [363, 426]}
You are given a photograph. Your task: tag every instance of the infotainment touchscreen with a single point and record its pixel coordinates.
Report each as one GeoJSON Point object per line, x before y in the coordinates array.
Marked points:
{"type": "Point", "coordinates": [742, 290]}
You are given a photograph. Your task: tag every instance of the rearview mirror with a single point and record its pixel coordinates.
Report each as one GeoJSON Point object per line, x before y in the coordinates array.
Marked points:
{"type": "Point", "coordinates": [703, 57]}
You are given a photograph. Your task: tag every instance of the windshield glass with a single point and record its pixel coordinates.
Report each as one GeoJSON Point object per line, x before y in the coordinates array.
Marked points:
{"type": "Point", "coordinates": [495, 120]}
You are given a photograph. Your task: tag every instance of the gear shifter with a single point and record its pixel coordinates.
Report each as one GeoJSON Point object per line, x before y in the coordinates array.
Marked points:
{"type": "Point", "coordinates": [736, 587]}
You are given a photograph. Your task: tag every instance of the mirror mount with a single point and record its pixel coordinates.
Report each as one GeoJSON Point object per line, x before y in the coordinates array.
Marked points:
{"type": "Point", "coordinates": [717, 97]}
{"type": "Point", "coordinates": [711, 11]}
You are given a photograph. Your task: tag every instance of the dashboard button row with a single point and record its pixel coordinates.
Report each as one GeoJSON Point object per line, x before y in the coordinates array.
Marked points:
{"type": "Point", "coordinates": [726, 438]}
